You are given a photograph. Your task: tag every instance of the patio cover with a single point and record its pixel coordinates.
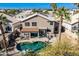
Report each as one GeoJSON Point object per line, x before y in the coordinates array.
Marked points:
{"type": "Point", "coordinates": [30, 30]}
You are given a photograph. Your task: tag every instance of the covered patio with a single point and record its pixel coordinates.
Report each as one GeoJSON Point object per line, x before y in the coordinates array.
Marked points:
{"type": "Point", "coordinates": [30, 32]}
{"type": "Point", "coordinates": [33, 32]}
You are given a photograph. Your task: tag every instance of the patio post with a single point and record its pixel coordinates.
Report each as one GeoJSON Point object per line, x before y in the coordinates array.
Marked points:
{"type": "Point", "coordinates": [29, 35]}
{"type": "Point", "coordinates": [38, 34]}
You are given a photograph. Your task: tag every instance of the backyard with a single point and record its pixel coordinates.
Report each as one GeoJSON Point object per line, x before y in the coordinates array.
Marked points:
{"type": "Point", "coordinates": [43, 33]}
{"type": "Point", "coordinates": [53, 47]}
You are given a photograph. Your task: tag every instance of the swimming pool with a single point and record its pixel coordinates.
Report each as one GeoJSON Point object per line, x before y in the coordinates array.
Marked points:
{"type": "Point", "coordinates": [31, 46]}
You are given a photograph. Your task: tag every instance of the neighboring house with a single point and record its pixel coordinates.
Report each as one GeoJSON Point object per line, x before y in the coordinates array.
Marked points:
{"type": "Point", "coordinates": [72, 26]}
{"type": "Point", "coordinates": [75, 23]}
{"type": "Point", "coordinates": [36, 25]}
{"type": "Point", "coordinates": [75, 27]}
{"type": "Point", "coordinates": [9, 26]}
{"type": "Point", "coordinates": [23, 14]}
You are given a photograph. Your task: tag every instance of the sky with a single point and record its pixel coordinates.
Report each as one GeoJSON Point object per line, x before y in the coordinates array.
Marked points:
{"type": "Point", "coordinates": [34, 5]}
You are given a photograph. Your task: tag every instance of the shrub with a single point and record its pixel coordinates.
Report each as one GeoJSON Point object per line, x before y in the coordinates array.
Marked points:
{"type": "Point", "coordinates": [63, 48]}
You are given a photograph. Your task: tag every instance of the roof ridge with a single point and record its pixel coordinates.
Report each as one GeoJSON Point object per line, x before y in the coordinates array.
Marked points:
{"type": "Point", "coordinates": [35, 15]}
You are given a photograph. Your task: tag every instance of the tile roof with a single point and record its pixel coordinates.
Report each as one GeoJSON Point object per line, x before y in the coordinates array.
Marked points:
{"type": "Point", "coordinates": [13, 20]}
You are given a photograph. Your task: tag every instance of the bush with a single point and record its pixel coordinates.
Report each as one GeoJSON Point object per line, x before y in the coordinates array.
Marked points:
{"type": "Point", "coordinates": [63, 48]}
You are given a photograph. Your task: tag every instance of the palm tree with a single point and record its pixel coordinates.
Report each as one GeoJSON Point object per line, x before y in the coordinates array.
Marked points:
{"type": "Point", "coordinates": [54, 8]}
{"type": "Point", "coordinates": [62, 14]}
{"type": "Point", "coordinates": [3, 20]}
{"type": "Point", "coordinates": [77, 4]}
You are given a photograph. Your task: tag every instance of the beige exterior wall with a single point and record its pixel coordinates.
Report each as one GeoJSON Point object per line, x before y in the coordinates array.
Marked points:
{"type": "Point", "coordinates": [16, 24]}
{"type": "Point", "coordinates": [42, 23]}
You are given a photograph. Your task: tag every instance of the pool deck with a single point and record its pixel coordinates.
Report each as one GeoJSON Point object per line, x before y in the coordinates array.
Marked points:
{"type": "Point", "coordinates": [15, 52]}
{"type": "Point", "coordinates": [44, 39]}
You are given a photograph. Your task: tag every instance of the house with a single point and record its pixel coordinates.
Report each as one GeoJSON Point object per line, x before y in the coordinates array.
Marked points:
{"type": "Point", "coordinates": [36, 25]}
{"type": "Point", "coordinates": [72, 25]}
{"type": "Point", "coordinates": [75, 27]}
{"type": "Point", "coordinates": [9, 26]}
{"type": "Point", "coordinates": [75, 24]}
{"type": "Point", "coordinates": [23, 14]}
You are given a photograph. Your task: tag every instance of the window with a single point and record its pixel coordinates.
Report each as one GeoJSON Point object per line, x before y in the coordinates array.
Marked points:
{"type": "Point", "coordinates": [19, 16]}
{"type": "Point", "coordinates": [34, 23]}
{"type": "Point", "coordinates": [34, 34]}
{"type": "Point", "coordinates": [27, 24]}
{"type": "Point", "coordinates": [51, 23]}
{"type": "Point", "coordinates": [22, 16]}
{"type": "Point", "coordinates": [74, 28]}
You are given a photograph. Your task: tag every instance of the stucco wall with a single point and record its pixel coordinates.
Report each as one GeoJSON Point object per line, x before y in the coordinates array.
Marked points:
{"type": "Point", "coordinates": [67, 26]}
{"type": "Point", "coordinates": [75, 27]}
{"type": "Point", "coordinates": [42, 23]}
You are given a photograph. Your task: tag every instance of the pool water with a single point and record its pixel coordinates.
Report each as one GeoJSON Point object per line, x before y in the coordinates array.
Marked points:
{"type": "Point", "coordinates": [31, 46]}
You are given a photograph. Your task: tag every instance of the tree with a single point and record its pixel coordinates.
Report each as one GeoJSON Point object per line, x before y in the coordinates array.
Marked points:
{"type": "Point", "coordinates": [40, 11]}
{"type": "Point", "coordinates": [10, 11]}
{"type": "Point", "coordinates": [35, 10]}
{"type": "Point", "coordinates": [3, 20]}
{"type": "Point", "coordinates": [77, 4]}
{"type": "Point", "coordinates": [62, 14]}
{"type": "Point", "coordinates": [46, 12]}
{"type": "Point", "coordinates": [54, 8]}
